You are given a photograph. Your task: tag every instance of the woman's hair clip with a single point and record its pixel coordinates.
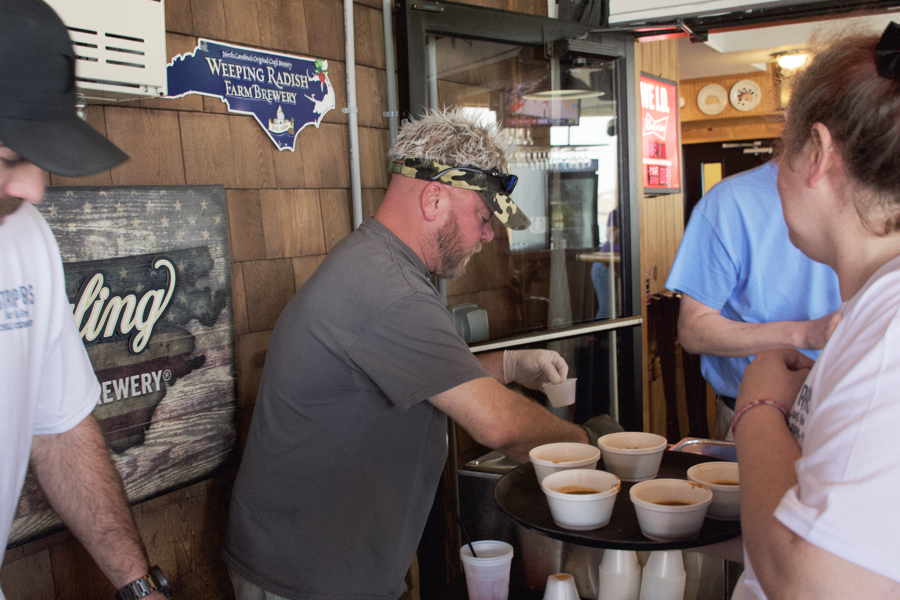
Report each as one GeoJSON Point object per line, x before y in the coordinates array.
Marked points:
{"type": "Point", "coordinates": [887, 52]}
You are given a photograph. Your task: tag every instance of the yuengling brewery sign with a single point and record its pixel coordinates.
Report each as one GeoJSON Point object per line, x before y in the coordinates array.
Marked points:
{"type": "Point", "coordinates": [101, 316]}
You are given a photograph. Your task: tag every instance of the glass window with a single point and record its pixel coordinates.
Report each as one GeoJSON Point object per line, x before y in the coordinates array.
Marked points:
{"type": "Point", "coordinates": [560, 116]}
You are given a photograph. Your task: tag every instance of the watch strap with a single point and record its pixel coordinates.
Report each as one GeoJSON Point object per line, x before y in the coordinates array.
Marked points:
{"type": "Point", "coordinates": [146, 585]}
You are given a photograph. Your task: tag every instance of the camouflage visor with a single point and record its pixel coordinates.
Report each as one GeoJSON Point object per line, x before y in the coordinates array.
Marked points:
{"type": "Point", "coordinates": [493, 186]}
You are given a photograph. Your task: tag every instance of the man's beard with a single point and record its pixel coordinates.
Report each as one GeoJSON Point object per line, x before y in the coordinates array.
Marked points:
{"type": "Point", "coordinates": [8, 205]}
{"type": "Point", "coordinates": [454, 257]}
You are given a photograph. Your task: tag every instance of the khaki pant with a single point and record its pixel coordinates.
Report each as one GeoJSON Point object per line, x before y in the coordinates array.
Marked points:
{"type": "Point", "coordinates": [244, 590]}
{"type": "Point", "coordinates": [722, 426]}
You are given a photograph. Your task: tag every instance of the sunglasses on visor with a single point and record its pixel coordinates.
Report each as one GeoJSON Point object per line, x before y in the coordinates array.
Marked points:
{"type": "Point", "coordinates": [493, 180]}
{"type": "Point", "coordinates": [464, 176]}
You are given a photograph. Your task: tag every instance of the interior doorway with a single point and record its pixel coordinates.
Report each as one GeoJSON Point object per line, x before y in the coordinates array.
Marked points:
{"type": "Point", "coordinates": [726, 158]}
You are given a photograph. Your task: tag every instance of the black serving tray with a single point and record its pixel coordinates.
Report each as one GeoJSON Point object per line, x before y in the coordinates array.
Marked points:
{"type": "Point", "coordinates": [520, 497]}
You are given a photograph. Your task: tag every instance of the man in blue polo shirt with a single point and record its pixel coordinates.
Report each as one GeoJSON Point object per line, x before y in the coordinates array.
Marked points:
{"type": "Point", "coordinates": [745, 288]}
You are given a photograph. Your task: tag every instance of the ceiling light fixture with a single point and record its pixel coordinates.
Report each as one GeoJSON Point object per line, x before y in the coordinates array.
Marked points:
{"type": "Point", "coordinates": [562, 84]}
{"type": "Point", "coordinates": [791, 60]}
{"type": "Point", "coordinates": [571, 92]}
{"type": "Point", "coordinates": [787, 65]}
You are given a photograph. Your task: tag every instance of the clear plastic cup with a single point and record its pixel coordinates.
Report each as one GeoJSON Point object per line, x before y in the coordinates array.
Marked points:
{"type": "Point", "coordinates": [487, 576]}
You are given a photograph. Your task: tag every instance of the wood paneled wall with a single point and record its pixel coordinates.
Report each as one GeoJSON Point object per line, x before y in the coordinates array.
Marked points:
{"type": "Point", "coordinates": [286, 210]}
{"type": "Point", "coordinates": [661, 228]}
{"type": "Point", "coordinates": [766, 120]}
{"type": "Point", "coordinates": [662, 217]}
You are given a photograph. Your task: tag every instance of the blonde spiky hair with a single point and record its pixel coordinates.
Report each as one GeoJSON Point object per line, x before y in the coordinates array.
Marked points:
{"type": "Point", "coordinates": [454, 137]}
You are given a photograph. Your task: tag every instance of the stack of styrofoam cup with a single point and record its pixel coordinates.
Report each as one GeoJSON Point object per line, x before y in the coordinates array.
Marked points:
{"type": "Point", "coordinates": [619, 576]}
{"type": "Point", "coordinates": [487, 575]}
{"type": "Point", "coordinates": [663, 577]}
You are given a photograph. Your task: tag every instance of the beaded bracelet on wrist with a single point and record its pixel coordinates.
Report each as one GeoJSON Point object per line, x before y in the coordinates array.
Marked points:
{"type": "Point", "coordinates": [740, 413]}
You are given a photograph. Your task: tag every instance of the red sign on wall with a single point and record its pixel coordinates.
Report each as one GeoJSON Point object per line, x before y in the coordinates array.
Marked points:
{"type": "Point", "coordinates": [660, 149]}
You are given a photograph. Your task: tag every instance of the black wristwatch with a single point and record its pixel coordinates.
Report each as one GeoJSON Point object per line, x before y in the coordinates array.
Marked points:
{"type": "Point", "coordinates": [146, 585]}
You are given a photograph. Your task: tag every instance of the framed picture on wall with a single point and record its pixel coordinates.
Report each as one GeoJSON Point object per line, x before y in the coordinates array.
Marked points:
{"type": "Point", "coordinates": [660, 146]}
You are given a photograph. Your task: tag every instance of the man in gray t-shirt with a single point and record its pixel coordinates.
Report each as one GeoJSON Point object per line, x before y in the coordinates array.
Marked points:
{"type": "Point", "coordinates": [349, 432]}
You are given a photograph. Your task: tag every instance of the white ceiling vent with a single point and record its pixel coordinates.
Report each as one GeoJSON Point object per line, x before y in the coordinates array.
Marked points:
{"type": "Point", "coordinates": [120, 45]}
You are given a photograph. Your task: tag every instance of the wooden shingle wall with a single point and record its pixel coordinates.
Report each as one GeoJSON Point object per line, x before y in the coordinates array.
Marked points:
{"type": "Point", "coordinates": [661, 228]}
{"type": "Point", "coordinates": [763, 121]}
{"type": "Point", "coordinates": [286, 210]}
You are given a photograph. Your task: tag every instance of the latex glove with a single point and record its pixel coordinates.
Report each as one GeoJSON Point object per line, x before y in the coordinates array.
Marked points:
{"type": "Point", "coordinates": [531, 368]}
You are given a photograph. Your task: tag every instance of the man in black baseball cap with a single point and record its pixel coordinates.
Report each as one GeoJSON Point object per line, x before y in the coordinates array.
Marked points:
{"type": "Point", "coordinates": [37, 95]}
{"type": "Point", "coordinates": [48, 388]}
{"type": "Point", "coordinates": [38, 122]}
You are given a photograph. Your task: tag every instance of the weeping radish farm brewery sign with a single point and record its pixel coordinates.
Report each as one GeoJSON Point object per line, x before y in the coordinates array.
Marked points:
{"type": "Point", "coordinates": [284, 93]}
{"type": "Point", "coordinates": [148, 277]}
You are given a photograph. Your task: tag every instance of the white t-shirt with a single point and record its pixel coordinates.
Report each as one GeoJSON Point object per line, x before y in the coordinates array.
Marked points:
{"type": "Point", "coordinates": [845, 420]}
{"type": "Point", "coordinates": [47, 384]}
